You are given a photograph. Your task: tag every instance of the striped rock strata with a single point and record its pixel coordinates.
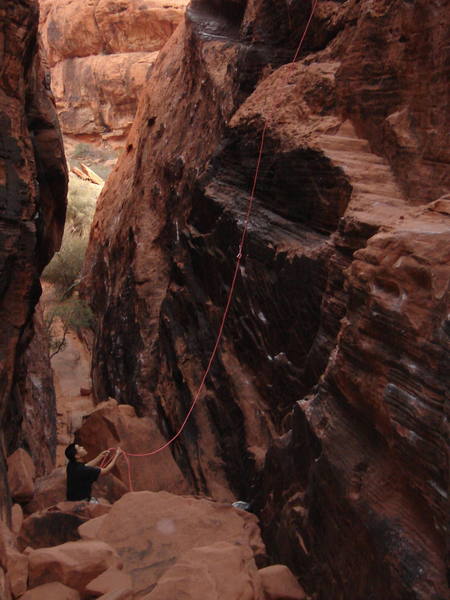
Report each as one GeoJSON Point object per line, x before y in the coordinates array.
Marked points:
{"type": "Point", "coordinates": [33, 183]}
{"type": "Point", "coordinates": [331, 365]}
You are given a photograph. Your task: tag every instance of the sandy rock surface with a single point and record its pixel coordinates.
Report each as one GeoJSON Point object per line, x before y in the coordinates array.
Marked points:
{"type": "Point", "coordinates": [111, 580]}
{"type": "Point", "coordinates": [74, 564]}
{"type": "Point", "coordinates": [101, 54]}
{"type": "Point", "coordinates": [338, 331]}
{"type": "Point", "coordinates": [21, 475]}
{"type": "Point", "coordinates": [58, 524]}
{"type": "Point", "coordinates": [278, 582]}
{"type": "Point", "coordinates": [16, 518]}
{"type": "Point", "coordinates": [5, 589]}
{"type": "Point", "coordinates": [13, 564]}
{"type": "Point", "coordinates": [52, 591]}
{"type": "Point", "coordinates": [151, 530]}
{"type": "Point", "coordinates": [221, 571]}
{"type": "Point", "coordinates": [124, 594]}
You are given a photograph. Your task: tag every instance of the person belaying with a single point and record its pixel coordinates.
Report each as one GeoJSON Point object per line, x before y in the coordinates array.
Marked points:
{"type": "Point", "coordinates": [80, 475]}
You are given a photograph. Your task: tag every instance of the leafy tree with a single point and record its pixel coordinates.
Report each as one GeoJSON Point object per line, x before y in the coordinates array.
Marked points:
{"type": "Point", "coordinates": [64, 270]}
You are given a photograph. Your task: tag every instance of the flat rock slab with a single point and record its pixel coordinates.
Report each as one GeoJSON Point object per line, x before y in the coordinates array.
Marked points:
{"type": "Point", "coordinates": [125, 594]}
{"type": "Point", "coordinates": [150, 531]}
{"type": "Point", "coordinates": [51, 591]}
{"type": "Point", "coordinates": [58, 524]}
{"type": "Point", "coordinates": [44, 529]}
{"type": "Point", "coordinates": [112, 580]}
{"type": "Point", "coordinates": [279, 582]}
{"type": "Point", "coordinates": [222, 571]}
{"type": "Point", "coordinates": [21, 475]}
{"type": "Point", "coordinates": [75, 563]}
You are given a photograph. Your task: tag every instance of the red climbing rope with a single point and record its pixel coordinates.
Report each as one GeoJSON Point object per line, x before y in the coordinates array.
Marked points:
{"type": "Point", "coordinates": [225, 312]}
{"type": "Point", "coordinates": [127, 455]}
{"type": "Point", "coordinates": [313, 8]}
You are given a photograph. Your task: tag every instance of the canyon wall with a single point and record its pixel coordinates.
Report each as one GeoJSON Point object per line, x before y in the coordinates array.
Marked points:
{"type": "Point", "coordinates": [33, 185]}
{"type": "Point", "coordinates": [100, 54]}
{"type": "Point", "coordinates": [326, 403]}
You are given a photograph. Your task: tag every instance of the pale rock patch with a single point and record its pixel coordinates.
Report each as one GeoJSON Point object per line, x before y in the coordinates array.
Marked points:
{"type": "Point", "coordinates": [74, 564]}
{"type": "Point", "coordinates": [17, 569]}
{"type": "Point", "coordinates": [151, 531]}
{"type": "Point", "coordinates": [279, 583]}
{"type": "Point", "coordinates": [222, 571]}
{"type": "Point", "coordinates": [21, 475]}
{"type": "Point", "coordinates": [5, 589]}
{"type": "Point", "coordinates": [112, 580]}
{"type": "Point", "coordinates": [51, 591]}
{"type": "Point", "coordinates": [16, 518]}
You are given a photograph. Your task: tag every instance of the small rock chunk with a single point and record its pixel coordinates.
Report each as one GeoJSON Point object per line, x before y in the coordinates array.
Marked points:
{"type": "Point", "coordinates": [21, 475]}
{"type": "Point", "coordinates": [279, 583]}
{"type": "Point", "coordinates": [50, 591]}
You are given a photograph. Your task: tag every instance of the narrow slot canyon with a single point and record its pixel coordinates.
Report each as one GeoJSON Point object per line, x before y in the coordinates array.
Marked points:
{"type": "Point", "coordinates": [224, 299]}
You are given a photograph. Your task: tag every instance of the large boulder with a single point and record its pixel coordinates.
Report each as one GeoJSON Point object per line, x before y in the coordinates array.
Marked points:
{"type": "Point", "coordinates": [124, 594]}
{"type": "Point", "coordinates": [74, 564]}
{"type": "Point", "coordinates": [49, 489]}
{"type": "Point", "coordinates": [221, 571]}
{"type": "Point", "coordinates": [21, 475]}
{"type": "Point", "coordinates": [58, 524]}
{"type": "Point", "coordinates": [112, 580]}
{"type": "Point", "coordinates": [16, 518]}
{"type": "Point", "coordinates": [111, 425]}
{"type": "Point", "coordinates": [5, 589]}
{"type": "Point", "coordinates": [90, 530]}
{"type": "Point", "coordinates": [7, 543]}
{"type": "Point", "coordinates": [151, 530]}
{"type": "Point", "coordinates": [279, 583]}
{"type": "Point", "coordinates": [51, 591]}
{"type": "Point", "coordinates": [17, 569]}
{"type": "Point", "coordinates": [13, 564]}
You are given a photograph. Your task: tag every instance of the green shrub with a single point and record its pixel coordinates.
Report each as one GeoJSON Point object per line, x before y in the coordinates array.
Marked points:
{"type": "Point", "coordinates": [72, 314]}
{"type": "Point", "coordinates": [82, 150]}
{"type": "Point", "coordinates": [89, 153]}
{"type": "Point", "coordinates": [102, 170]}
{"type": "Point", "coordinates": [65, 268]}
{"type": "Point", "coordinates": [81, 202]}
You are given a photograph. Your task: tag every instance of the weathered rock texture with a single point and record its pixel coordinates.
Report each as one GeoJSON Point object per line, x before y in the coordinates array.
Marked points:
{"type": "Point", "coordinates": [33, 400]}
{"type": "Point", "coordinates": [110, 426]}
{"type": "Point", "coordinates": [153, 532]}
{"type": "Point", "coordinates": [33, 182]}
{"type": "Point", "coordinates": [334, 350]}
{"type": "Point", "coordinates": [101, 53]}
{"type": "Point", "coordinates": [74, 564]}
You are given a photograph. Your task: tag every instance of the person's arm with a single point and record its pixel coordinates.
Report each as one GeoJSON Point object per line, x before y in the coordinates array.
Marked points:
{"type": "Point", "coordinates": [94, 462]}
{"type": "Point", "coordinates": [107, 469]}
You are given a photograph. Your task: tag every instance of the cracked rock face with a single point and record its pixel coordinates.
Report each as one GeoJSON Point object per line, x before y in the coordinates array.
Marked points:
{"type": "Point", "coordinates": [330, 370]}
{"type": "Point", "coordinates": [33, 184]}
{"type": "Point", "coordinates": [101, 53]}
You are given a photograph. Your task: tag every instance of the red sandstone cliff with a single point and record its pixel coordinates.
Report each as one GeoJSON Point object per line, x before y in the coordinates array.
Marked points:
{"type": "Point", "coordinates": [100, 53]}
{"type": "Point", "coordinates": [33, 182]}
{"type": "Point", "coordinates": [334, 353]}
